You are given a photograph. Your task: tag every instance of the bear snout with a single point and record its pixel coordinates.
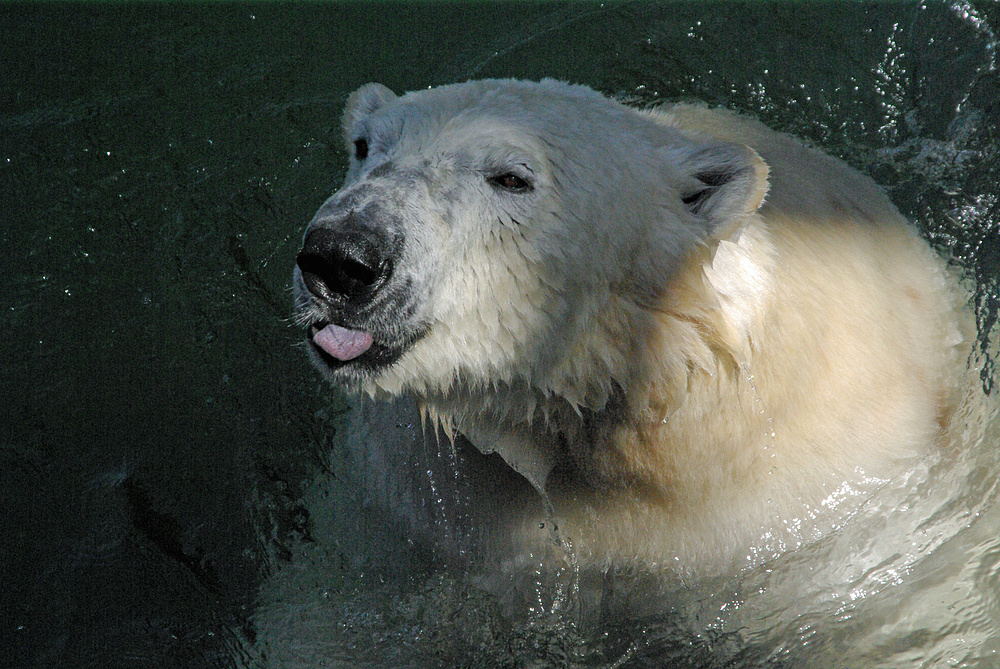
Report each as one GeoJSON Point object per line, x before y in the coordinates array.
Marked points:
{"type": "Point", "coordinates": [348, 264]}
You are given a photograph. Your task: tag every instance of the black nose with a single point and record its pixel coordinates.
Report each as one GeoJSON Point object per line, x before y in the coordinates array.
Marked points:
{"type": "Point", "coordinates": [350, 262]}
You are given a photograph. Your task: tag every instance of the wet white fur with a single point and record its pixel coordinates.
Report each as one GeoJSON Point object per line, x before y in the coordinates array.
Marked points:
{"type": "Point", "coordinates": [791, 338]}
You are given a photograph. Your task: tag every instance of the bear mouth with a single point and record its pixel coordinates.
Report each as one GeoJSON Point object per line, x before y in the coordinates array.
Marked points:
{"type": "Point", "coordinates": [340, 343]}
{"type": "Point", "coordinates": [354, 351]}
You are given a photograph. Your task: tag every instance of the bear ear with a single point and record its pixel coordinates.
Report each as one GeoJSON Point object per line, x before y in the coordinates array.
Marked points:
{"type": "Point", "coordinates": [362, 103]}
{"type": "Point", "coordinates": [723, 182]}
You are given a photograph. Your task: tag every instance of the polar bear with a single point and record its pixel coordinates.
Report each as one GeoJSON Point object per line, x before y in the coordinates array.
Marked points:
{"type": "Point", "coordinates": [672, 337]}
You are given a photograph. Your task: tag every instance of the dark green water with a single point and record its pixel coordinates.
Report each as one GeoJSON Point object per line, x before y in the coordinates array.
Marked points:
{"type": "Point", "coordinates": [157, 166]}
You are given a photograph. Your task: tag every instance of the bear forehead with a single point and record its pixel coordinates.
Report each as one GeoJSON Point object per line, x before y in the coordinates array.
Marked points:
{"type": "Point", "coordinates": [512, 113]}
{"type": "Point", "coordinates": [505, 95]}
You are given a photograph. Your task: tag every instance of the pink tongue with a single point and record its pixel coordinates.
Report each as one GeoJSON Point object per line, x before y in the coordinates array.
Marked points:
{"type": "Point", "coordinates": [341, 343]}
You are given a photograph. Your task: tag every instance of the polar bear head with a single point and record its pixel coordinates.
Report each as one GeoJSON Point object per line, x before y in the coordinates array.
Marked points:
{"type": "Point", "coordinates": [502, 239]}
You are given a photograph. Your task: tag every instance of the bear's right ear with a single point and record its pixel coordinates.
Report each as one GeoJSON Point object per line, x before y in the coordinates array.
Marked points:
{"type": "Point", "coordinates": [363, 102]}
{"type": "Point", "coordinates": [724, 183]}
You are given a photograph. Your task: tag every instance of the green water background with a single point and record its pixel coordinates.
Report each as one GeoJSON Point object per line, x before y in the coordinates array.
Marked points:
{"type": "Point", "coordinates": [158, 163]}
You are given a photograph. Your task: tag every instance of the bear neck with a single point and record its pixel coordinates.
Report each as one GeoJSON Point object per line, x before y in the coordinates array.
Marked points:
{"type": "Point", "coordinates": [576, 415]}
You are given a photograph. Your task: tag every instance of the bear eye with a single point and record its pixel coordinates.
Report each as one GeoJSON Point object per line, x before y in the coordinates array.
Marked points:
{"type": "Point", "coordinates": [361, 148]}
{"type": "Point", "coordinates": [509, 181]}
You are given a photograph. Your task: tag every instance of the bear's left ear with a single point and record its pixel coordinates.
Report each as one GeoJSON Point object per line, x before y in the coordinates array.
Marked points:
{"type": "Point", "coordinates": [723, 182]}
{"type": "Point", "coordinates": [362, 103]}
